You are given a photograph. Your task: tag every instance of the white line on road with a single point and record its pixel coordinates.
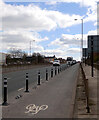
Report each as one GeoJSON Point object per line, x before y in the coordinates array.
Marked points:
{"type": "Point", "coordinates": [20, 89]}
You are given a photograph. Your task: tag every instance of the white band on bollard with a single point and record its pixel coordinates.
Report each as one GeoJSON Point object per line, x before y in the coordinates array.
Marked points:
{"type": "Point", "coordinates": [5, 85]}
{"type": "Point", "coordinates": [5, 80]}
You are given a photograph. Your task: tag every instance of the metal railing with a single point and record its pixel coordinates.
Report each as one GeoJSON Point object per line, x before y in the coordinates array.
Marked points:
{"type": "Point", "coordinates": [86, 89]}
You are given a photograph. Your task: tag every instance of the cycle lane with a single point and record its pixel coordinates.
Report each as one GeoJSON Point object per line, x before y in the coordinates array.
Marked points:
{"type": "Point", "coordinates": [56, 94]}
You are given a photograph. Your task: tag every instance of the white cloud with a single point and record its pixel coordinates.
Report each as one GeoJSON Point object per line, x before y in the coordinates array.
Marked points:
{"type": "Point", "coordinates": [71, 44]}
{"type": "Point", "coordinates": [32, 17]}
{"type": "Point", "coordinates": [68, 30]}
{"type": "Point", "coordinates": [72, 40]}
{"type": "Point", "coordinates": [91, 14]}
{"type": "Point", "coordinates": [19, 21]}
{"type": "Point", "coordinates": [21, 40]}
{"type": "Point", "coordinates": [51, 3]}
{"type": "Point", "coordinates": [92, 32]}
{"type": "Point", "coordinates": [86, 3]}
{"type": "Point", "coordinates": [21, 36]}
{"type": "Point", "coordinates": [26, 17]}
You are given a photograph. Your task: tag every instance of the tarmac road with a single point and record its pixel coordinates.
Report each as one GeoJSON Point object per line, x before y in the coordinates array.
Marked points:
{"type": "Point", "coordinates": [16, 79]}
{"type": "Point", "coordinates": [56, 94]}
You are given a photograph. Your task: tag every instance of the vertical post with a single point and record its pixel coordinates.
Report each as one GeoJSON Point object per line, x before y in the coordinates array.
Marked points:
{"type": "Point", "coordinates": [5, 92]}
{"type": "Point", "coordinates": [46, 75]}
{"type": "Point", "coordinates": [88, 109]}
{"type": "Point", "coordinates": [27, 83]}
{"type": "Point", "coordinates": [55, 70]}
{"type": "Point", "coordinates": [51, 72]}
{"type": "Point", "coordinates": [82, 40]}
{"type": "Point", "coordinates": [92, 56]}
{"type": "Point", "coordinates": [85, 56]}
{"type": "Point", "coordinates": [30, 48]}
{"type": "Point", "coordinates": [38, 77]}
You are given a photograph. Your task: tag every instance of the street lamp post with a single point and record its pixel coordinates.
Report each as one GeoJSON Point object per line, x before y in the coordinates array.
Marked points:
{"type": "Point", "coordinates": [81, 39]}
{"type": "Point", "coordinates": [30, 45]}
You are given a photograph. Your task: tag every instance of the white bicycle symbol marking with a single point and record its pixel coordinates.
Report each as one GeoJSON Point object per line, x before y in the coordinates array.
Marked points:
{"type": "Point", "coordinates": [33, 109]}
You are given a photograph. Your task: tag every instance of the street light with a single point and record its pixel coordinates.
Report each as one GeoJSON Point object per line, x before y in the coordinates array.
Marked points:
{"type": "Point", "coordinates": [30, 45]}
{"type": "Point", "coordinates": [81, 39]}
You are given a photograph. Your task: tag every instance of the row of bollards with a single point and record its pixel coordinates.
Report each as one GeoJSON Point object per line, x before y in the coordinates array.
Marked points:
{"type": "Point", "coordinates": [5, 92]}
{"type": "Point", "coordinates": [61, 68]}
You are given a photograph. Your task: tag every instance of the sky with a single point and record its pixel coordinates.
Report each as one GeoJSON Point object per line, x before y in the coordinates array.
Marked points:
{"type": "Point", "coordinates": [49, 25]}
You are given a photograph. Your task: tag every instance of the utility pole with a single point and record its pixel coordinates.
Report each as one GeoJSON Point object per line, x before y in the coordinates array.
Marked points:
{"type": "Point", "coordinates": [92, 74]}
{"type": "Point", "coordinates": [30, 45]}
{"type": "Point", "coordinates": [81, 39]}
{"type": "Point", "coordinates": [85, 56]}
{"type": "Point", "coordinates": [30, 48]}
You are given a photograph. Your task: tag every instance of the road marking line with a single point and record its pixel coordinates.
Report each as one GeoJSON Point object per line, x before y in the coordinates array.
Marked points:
{"type": "Point", "coordinates": [33, 109]}
{"type": "Point", "coordinates": [20, 89]}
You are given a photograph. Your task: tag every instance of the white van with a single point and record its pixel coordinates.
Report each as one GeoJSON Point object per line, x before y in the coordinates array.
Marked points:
{"type": "Point", "coordinates": [69, 60]}
{"type": "Point", "coordinates": [56, 63]}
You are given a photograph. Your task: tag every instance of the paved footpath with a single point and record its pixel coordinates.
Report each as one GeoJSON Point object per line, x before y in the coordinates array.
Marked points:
{"type": "Point", "coordinates": [52, 99]}
{"type": "Point", "coordinates": [93, 86]}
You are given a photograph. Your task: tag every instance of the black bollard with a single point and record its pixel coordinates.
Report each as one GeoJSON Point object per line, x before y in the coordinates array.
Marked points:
{"type": "Point", "coordinates": [52, 72]}
{"type": "Point", "coordinates": [27, 83]}
{"type": "Point", "coordinates": [55, 71]}
{"type": "Point", "coordinates": [38, 77]}
{"type": "Point", "coordinates": [88, 109]}
{"type": "Point", "coordinates": [5, 92]}
{"type": "Point", "coordinates": [46, 75]}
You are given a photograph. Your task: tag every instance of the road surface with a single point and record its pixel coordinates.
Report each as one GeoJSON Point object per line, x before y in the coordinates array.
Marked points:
{"type": "Point", "coordinates": [16, 79]}
{"type": "Point", "coordinates": [56, 94]}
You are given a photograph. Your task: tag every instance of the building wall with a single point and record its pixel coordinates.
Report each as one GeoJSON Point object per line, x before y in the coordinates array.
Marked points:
{"type": "Point", "coordinates": [85, 52]}
{"type": "Point", "coordinates": [95, 43]}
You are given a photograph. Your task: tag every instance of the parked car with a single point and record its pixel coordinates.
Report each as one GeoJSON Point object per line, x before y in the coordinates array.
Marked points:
{"type": "Point", "coordinates": [74, 62]}
{"type": "Point", "coordinates": [56, 63]}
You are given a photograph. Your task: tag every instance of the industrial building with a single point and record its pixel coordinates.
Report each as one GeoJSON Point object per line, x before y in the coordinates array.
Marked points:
{"type": "Point", "coordinates": [93, 40]}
